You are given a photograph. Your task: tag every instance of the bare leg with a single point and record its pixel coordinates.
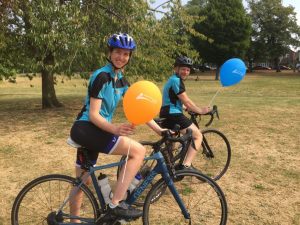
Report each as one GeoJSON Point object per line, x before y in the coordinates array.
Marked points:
{"type": "Point", "coordinates": [135, 159]}
{"type": "Point", "coordinates": [76, 199]}
{"type": "Point", "coordinates": [191, 153]}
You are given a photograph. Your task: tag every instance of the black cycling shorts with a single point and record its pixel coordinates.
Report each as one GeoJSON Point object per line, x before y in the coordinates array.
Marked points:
{"type": "Point", "coordinates": [94, 139]}
{"type": "Point", "coordinates": [172, 119]}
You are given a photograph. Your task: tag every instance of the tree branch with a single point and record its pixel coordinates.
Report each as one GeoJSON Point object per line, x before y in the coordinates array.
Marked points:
{"type": "Point", "coordinates": [162, 4]}
{"type": "Point", "coordinates": [154, 10]}
{"type": "Point", "coordinates": [110, 11]}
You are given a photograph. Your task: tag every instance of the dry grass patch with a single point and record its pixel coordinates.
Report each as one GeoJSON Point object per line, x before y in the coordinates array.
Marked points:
{"type": "Point", "coordinates": [260, 117]}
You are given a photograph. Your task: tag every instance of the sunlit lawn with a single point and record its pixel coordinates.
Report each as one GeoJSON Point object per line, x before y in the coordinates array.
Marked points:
{"type": "Point", "coordinates": [260, 117]}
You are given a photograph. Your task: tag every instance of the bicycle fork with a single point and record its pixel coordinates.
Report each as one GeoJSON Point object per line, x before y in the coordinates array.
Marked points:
{"type": "Point", "coordinates": [172, 188]}
{"type": "Point", "coordinates": [206, 149]}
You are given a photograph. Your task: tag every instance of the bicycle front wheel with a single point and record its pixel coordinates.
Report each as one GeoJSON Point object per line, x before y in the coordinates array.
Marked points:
{"type": "Point", "coordinates": [39, 202]}
{"type": "Point", "coordinates": [201, 196]}
{"type": "Point", "coordinates": [216, 154]}
{"type": "Point", "coordinates": [213, 158]}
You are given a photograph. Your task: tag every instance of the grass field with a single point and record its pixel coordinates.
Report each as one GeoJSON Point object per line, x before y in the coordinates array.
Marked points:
{"type": "Point", "coordinates": [260, 117]}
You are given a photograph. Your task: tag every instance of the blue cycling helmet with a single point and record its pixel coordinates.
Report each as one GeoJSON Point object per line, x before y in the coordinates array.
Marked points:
{"type": "Point", "coordinates": [121, 40]}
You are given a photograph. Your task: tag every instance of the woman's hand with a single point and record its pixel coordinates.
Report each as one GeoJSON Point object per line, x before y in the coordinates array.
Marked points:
{"type": "Point", "coordinates": [161, 131]}
{"type": "Point", "coordinates": [124, 129]}
{"type": "Point", "coordinates": [205, 109]}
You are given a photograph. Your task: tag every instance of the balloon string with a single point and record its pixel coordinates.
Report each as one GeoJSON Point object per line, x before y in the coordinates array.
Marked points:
{"type": "Point", "coordinates": [126, 160]}
{"type": "Point", "coordinates": [214, 96]}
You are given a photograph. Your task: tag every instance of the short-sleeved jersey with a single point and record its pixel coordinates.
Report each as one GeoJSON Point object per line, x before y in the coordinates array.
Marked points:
{"type": "Point", "coordinates": [171, 103]}
{"type": "Point", "coordinates": [103, 86]}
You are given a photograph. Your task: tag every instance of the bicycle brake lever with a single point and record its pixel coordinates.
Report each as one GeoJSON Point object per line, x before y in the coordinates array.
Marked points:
{"type": "Point", "coordinates": [215, 111]}
{"type": "Point", "coordinates": [217, 114]}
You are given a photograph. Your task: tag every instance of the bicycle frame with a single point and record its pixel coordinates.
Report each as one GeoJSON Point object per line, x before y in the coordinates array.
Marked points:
{"type": "Point", "coordinates": [160, 168]}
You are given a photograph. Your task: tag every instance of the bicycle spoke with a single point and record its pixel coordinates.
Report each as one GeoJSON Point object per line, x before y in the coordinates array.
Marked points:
{"type": "Point", "coordinates": [200, 198]}
{"type": "Point", "coordinates": [43, 196]}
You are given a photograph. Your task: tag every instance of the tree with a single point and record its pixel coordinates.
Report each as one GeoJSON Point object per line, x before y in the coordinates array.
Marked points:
{"type": "Point", "coordinates": [42, 39]}
{"type": "Point", "coordinates": [169, 38]}
{"type": "Point", "coordinates": [227, 28]}
{"type": "Point", "coordinates": [275, 29]}
{"type": "Point", "coordinates": [6, 68]}
{"type": "Point", "coordinates": [64, 37]}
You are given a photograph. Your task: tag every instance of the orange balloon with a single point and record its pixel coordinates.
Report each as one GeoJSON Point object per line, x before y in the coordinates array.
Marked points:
{"type": "Point", "coordinates": [142, 102]}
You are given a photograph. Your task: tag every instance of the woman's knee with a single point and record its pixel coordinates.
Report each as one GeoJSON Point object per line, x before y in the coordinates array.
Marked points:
{"type": "Point", "coordinates": [197, 134]}
{"type": "Point", "coordinates": [131, 147]}
{"type": "Point", "coordinates": [138, 151]}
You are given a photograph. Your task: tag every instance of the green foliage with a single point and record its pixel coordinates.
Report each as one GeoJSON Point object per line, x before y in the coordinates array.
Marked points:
{"type": "Point", "coordinates": [6, 72]}
{"type": "Point", "coordinates": [71, 36]}
{"type": "Point", "coordinates": [275, 29]}
{"type": "Point", "coordinates": [6, 67]}
{"type": "Point", "coordinates": [68, 37]}
{"type": "Point", "coordinates": [161, 41]}
{"type": "Point", "coordinates": [226, 26]}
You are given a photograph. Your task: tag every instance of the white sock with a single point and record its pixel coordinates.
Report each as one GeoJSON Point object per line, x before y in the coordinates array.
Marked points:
{"type": "Point", "coordinates": [112, 206]}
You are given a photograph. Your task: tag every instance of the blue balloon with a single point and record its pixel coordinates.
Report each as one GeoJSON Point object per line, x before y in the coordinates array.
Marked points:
{"type": "Point", "coordinates": [232, 72]}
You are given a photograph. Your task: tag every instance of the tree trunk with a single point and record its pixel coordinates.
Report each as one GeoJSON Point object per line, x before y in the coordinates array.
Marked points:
{"type": "Point", "coordinates": [276, 62]}
{"type": "Point", "coordinates": [49, 99]}
{"type": "Point", "coordinates": [217, 73]}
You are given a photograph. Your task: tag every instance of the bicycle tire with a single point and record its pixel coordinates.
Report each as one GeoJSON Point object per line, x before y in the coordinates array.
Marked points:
{"type": "Point", "coordinates": [214, 167]}
{"type": "Point", "coordinates": [37, 201]}
{"type": "Point", "coordinates": [201, 195]}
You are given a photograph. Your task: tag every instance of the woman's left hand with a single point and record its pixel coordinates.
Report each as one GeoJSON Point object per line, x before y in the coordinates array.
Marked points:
{"type": "Point", "coordinates": [161, 131]}
{"type": "Point", "coordinates": [205, 109]}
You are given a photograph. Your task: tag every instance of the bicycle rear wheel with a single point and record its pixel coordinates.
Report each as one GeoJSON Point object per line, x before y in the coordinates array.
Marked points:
{"type": "Point", "coordinates": [39, 201]}
{"type": "Point", "coordinates": [202, 197]}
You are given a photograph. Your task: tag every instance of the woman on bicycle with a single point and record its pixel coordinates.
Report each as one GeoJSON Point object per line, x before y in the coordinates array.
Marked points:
{"type": "Point", "coordinates": [93, 128]}
{"type": "Point", "coordinates": [175, 100]}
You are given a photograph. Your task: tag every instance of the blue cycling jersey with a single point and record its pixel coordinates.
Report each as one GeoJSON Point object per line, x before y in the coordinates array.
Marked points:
{"type": "Point", "coordinates": [171, 103]}
{"type": "Point", "coordinates": [102, 85]}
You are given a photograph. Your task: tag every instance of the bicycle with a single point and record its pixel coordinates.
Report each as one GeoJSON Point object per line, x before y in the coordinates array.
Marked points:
{"type": "Point", "coordinates": [39, 203]}
{"type": "Point", "coordinates": [216, 151]}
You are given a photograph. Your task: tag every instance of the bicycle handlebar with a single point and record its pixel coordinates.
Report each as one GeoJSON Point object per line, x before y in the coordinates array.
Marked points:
{"type": "Point", "coordinates": [211, 113]}
{"type": "Point", "coordinates": [167, 136]}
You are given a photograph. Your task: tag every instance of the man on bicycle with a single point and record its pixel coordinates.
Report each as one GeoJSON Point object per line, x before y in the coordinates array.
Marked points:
{"type": "Point", "coordinates": [175, 100]}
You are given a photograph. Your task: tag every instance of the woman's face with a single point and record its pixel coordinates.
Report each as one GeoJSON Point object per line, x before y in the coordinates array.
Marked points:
{"type": "Point", "coordinates": [119, 57]}
{"type": "Point", "coordinates": [183, 72]}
